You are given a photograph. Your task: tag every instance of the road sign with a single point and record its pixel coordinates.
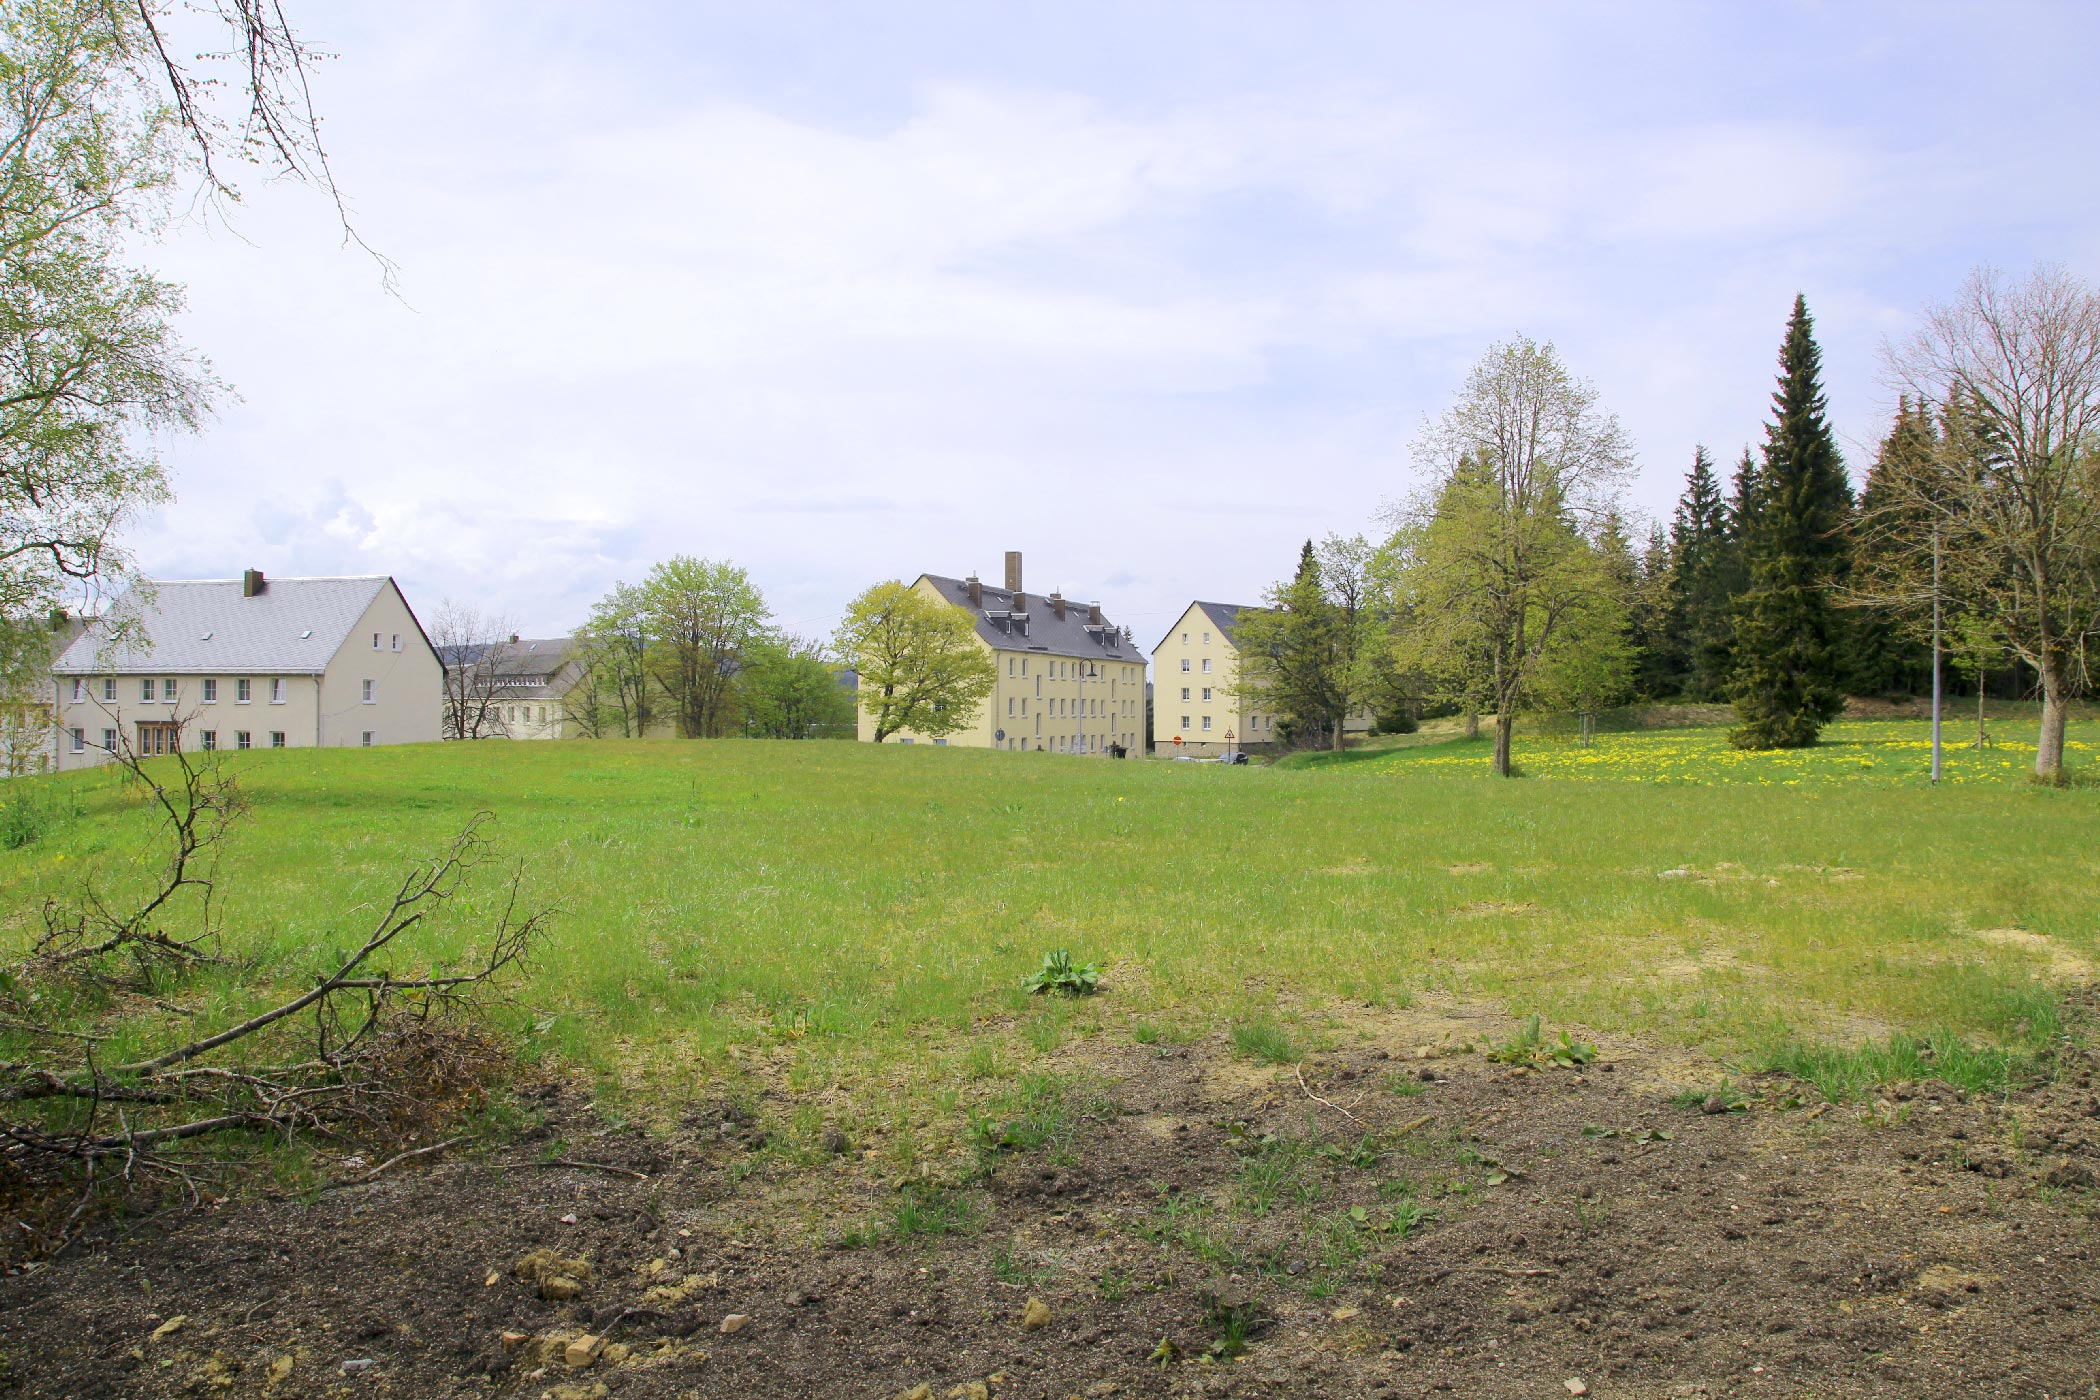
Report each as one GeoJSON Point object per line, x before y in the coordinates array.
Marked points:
{"type": "Point", "coordinates": [1177, 741]}
{"type": "Point", "coordinates": [1228, 736]}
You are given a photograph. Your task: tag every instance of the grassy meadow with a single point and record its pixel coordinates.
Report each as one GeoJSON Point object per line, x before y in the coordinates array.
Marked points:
{"type": "Point", "coordinates": [847, 914]}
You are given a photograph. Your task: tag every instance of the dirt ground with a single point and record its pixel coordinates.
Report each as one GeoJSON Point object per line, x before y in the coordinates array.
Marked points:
{"type": "Point", "coordinates": [1411, 1219]}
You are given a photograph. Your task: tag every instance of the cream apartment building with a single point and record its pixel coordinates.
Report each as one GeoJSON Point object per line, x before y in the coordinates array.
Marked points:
{"type": "Point", "coordinates": [248, 663]}
{"type": "Point", "coordinates": [519, 689]}
{"type": "Point", "coordinates": [1195, 669]}
{"type": "Point", "coordinates": [1069, 681]}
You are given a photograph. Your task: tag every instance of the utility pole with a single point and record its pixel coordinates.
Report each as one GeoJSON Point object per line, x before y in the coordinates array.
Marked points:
{"type": "Point", "coordinates": [1936, 652]}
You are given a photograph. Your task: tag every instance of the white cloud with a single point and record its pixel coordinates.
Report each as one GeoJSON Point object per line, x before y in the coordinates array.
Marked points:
{"type": "Point", "coordinates": [1153, 330]}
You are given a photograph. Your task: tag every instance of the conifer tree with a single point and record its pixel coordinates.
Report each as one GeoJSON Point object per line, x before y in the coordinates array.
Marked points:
{"type": "Point", "coordinates": [1788, 660]}
{"type": "Point", "coordinates": [1659, 661]}
{"type": "Point", "coordinates": [1698, 631]}
{"type": "Point", "coordinates": [1294, 655]}
{"type": "Point", "coordinates": [1887, 653]}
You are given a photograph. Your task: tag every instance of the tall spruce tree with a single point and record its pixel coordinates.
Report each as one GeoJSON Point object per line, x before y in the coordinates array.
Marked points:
{"type": "Point", "coordinates": [1788, 658]}
{"type": "Point", "coordinates": [1885, 654]}
{"type": "Point", "coordinates": [1659, 662]}
{"type": "Point", "coordinates": [1699, 630]}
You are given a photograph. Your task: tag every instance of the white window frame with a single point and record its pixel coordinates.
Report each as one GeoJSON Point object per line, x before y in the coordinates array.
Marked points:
{"type": "Point", "coordinates": [79, 691]}
{"type": "Point", "coordinates": [277, 691]}
{"type": "Point", "coordinates": [1206, 665]}
{"type": "Point", "coordinates": [109, 741]}
{"type": "Point", "coordinates": [79, 739]}
{"type": "Point", "coordinates": [210, 738]}
{"type": "Point", "coordinates": [109, 690]}
{"type": "Point", "coordinates": [365, 740]}
{"type": "Point", "coordinates": [211, 691]}
{"type": "Point", "coordinates": [277, 739]}
{"type": "Point", "coordinates": [242, 739]}
{"type": "Point", "coordinates": [243, 691]}
{"type": "Point", "coordinates": [168, 691]}
{"type": "Point", "coordinates": [1184, 665]}
{"type": "Point", "coordinates": [1206, 723]}
{"type": "Point", "coordinates": [371, 690]}
{"type": "Point", "coordinates": [147, 690]}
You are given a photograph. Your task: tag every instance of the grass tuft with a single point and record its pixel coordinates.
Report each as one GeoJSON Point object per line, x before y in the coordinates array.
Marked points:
{"type": "Point", "coordinates": [1264, 1041]}
{"type": "Point", "coordinates": [1844, 1073]}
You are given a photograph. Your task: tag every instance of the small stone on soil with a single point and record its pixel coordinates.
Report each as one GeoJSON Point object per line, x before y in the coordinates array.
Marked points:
{"type": "Point", "coordinates": [733, 1324]}
{"type": "Point", "coordinates": [1035, 1315]}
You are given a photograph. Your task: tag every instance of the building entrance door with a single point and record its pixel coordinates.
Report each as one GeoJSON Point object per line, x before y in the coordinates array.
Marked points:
{"type": "Point", "coordinates": [156, 737]}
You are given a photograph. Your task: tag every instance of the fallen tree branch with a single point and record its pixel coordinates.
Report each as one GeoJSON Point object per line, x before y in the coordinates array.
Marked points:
{"type": "Point", "coordinates": [577, 1165]}
{"type": "Point", "coordinates": [379, 1065]}
{"type": "Point", "coordinates": [390, 1163]}
{"type": "Point", "coordinates": [1299, 1070]}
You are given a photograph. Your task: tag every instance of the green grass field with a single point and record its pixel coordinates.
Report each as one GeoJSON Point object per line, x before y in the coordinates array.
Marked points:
{"type": "Point", "coordinates": [839, 911]}
{"type": "Point", "coordinates": [1853, 751]}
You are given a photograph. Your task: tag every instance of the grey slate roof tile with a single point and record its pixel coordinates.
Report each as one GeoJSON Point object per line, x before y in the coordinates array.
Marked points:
{"type": "Point", "coordinates": [1044, 631]}
{"type": "Point", "coordinates": [191, 626]}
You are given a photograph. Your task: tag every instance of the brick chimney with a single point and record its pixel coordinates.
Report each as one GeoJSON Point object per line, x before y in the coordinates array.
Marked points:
{"type": "Point", "coordinates": [253, 583]}
{"type": "Point", "coordinates": [1093, 614]}
{"type": "Point", "coordinates": [1057, 605]}
{"type": "Point", "coordinates": [975, 590]}
{"type": "Point", "coordinates": [1013, 571]}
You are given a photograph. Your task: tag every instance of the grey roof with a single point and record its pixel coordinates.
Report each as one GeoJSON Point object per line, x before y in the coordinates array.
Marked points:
{"type": "Point", "coordinates": [188, 626]}
{"type": "Point", "coordinates": [1225, 616]}
{"type": "Point", "coordinates": [525, 669]}
{"type": "Point", "coordinates": [1042, 630]}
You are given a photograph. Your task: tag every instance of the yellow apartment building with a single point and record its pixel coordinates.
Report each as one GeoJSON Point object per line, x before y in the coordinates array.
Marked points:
{"type": "Point", "coordinates": [1195, 672]}
{"type": "Point", "coordinates": [1069, 681]}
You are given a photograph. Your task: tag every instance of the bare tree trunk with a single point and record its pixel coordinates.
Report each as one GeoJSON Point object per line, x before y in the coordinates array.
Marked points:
{"type": "Point", "coordinates": [2049, 745]}
{"type": "Point", "coordinates": [1504, 722]}
{"type": "Point", "coordinates": [1340, 721]}
{"type": "Point", "coordinates": [1472, 724]}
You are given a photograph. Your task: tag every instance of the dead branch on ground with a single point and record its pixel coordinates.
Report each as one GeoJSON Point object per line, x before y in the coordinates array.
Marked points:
{"type": "Point", "coordinates": [374, 1056]}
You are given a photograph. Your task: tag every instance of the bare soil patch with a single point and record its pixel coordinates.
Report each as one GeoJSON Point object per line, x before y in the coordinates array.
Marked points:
{"type": "Point", "coordinates": [1410, 1220]}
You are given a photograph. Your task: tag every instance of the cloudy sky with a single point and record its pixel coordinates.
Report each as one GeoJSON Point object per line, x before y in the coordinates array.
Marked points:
{"type": "Point", "coordinates": [1150, 292]}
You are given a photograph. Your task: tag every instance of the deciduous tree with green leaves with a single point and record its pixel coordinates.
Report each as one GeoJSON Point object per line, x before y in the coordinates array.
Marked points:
{"type": "Point", "coordinates": [922, 668]}
{"type": "Point", "coordinates": [1497, 570]}
{"type": "Point", "coordinates": [703, 616]}
{"type": "Point", "coordinates": [615, 646]}
{"type": "Point", "coordinates": [789, 689]}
